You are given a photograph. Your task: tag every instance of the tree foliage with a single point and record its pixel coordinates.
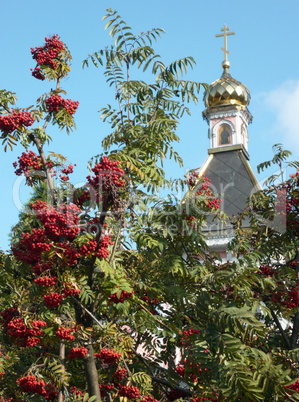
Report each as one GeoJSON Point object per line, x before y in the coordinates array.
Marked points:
{"type": "Point", "coordinates": [111, 293]}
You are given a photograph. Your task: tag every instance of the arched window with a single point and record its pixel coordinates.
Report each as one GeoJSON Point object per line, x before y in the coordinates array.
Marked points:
{"type": "Point", "coordinates": [224, 135]}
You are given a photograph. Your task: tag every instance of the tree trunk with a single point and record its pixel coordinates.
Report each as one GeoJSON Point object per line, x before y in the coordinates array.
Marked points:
{"type": "Point", "coordinates": [62, 360]}
{"type": "Point", "coordinates": [91, 374]}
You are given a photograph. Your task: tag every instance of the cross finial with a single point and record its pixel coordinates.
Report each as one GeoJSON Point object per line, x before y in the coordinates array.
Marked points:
{"type": "Point", "coordinates": [225, 34]}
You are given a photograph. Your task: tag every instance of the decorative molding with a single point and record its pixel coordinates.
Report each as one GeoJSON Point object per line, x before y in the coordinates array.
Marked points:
{"type": "Point", "coordinates": [214, 113]}
{"type": "Point", "coordinates": [228, 148]}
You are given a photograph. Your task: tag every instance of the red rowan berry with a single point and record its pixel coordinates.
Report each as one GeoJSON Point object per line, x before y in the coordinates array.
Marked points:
{"type": "Point", "coordinates": [31, 384]}
{"type": "Point", "coordinates": [120, 298]}
{"type": "Point", "coordinates": [46, 281]}
{"type": "Point", "coordinates": [129, 391]}
{"type": "Point", "coordinates": [55, 103]}
{"type": "Point", "coordinates": [108, 356]}
{"type": "Point", "coordinates": [75, 353]}
{"type": "Point", "coordinates": [120, 373]}
{"type": "Point", "coordinates": [45, 55]}
{"type": "Point", "coordinates": [53, 299]}
{"type": "Point", "coordinates": [15, 120]}
{"type": "Point", "coordinates": [65, 333]}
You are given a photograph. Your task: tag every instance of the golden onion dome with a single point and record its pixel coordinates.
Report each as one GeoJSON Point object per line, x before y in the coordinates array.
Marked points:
{"type": "Point", "coordinates": [226, 90]}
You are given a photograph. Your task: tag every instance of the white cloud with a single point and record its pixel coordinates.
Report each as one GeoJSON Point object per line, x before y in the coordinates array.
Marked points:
{"type": "Point", "coordinates": [283, 102]}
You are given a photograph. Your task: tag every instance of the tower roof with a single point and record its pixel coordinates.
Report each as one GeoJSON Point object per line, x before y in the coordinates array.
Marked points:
{"type": "Point", "coordinates": [226, 91]}
{"type": "Point", "coordinates": [233, 181]}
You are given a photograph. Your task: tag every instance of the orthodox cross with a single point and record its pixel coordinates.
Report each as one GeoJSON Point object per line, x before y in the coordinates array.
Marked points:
{"type": "Point", "coordinates": [225, 34]}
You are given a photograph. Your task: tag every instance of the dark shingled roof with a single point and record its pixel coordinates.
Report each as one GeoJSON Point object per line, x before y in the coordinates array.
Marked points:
{"type": "Point", "coordinates": [232, 180]}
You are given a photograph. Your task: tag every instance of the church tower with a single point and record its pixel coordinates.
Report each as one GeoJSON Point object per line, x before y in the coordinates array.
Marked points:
{"type": "Point", "coordinates": [227, 167]}
{"type": "Point", "coordinates": [226, 101]}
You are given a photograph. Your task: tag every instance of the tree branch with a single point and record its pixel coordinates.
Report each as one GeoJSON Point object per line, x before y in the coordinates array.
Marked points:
{"type": "Point", "coordinates": [283, 334]}
{"type": "Point", "coordinates": [295, 331]}
{"type": "Point", "coordinates": [162, 381]}
{"type": "Point", "coordinates": [87, 311]}
{"type": "Point", "coordinates": [50, 182]}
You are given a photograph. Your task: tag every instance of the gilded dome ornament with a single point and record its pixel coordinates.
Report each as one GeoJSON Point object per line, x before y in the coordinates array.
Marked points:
{"type": "Point", "coordinates": [225, 34]}
{"type": "Point", "coordinates": [226, 90]}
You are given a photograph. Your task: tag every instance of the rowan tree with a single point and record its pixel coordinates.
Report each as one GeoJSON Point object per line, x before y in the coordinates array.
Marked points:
{"type": "Point", "coordinates": [110, 292]}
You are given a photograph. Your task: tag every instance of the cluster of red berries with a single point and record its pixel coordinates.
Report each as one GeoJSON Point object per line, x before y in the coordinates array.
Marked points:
{"type": "Point", "coordinates": [129, 391]}
{"type": "Point", "coordinates": [120, 297]}
{"type": "Point", "coordinates": [31, 341]}
{"type": "Point", "coordinates": [292, 223]}
{"type": "Point", "coordinates": [108, 178]}
{"type": "Point", "coordinates": [88, 248]}
{"type": "Point", "coordinates": [294, 386]}
{"type": "Point", "coordinates": [92, 248]}
{"type": "Point", "coordinates": [204, 184]}
{"type": "Point", "coordinates": [70, 254]}
{"type": "Point", "coordinates": [93, 225]}
{"type": "Point", "coordinates": [29, 162]}
{"type": "Point", "coordinates": [120, 374]}
{"type": "Point", "coordinates": [15, 121]}
{"type": "Point", "coordinates": [76, 353]}
{"type": "Point", "coordinates": [293, 263]}
{"type": "Point", "coordinates": [55, 103]}
{"type": "Point", "coordinates": [41, 267]}
{"type": "Point", "coordinates": [105, 388]}
{"type": "Point", "coordinates": [173, 395]}
{"type": "Point", "coordinates": [81, 196]}
{"type": "Point", "coordinates": [295, 200]}
{"type": "Point", "coordinates": [149, 300]}
{"type": "Point", "coordinates": [28, 335]}
{"type": "Point", "coordinates": [192, 369]}
{"type": "Point", "coordinates": [46, 281]}
{"type": "Point", "coordinates": [31, 246]}
{"type": "Point", "coordinates": [65, 333]}
{"type": "Point", "coordinates": [53, 299]}
{"type": "Point", "coordinates": [47, 55]}
{"type": "Point", "coordinates": [153, 303]}
{"type": "Point", "coordinates": [60, 222]}
{"type": "Point", "coordinates": [8, 314]}
{"type": "Point", "coordinates": [76, 391]}
{"type": "Point", "coordinates": [3, 399]}
{"type": "Point", "coordinates": [148, 398]}
{"type": "Point", "coordinates": [31, 384]}
{"type": "Point", "coordinates": [102, 251]}
{"type": "Point", "coordinates": [34, 386]}
{"type": "Point", "coordinates": [191, 220]}
{"type": "Point", "coordinates": [289, 298]}
{"type": "Point", "coordinates": [204, 189]}
{"type": "Point", "coordinates": [70, 291]}
{"type": "Point", "coordinates": [65, 172]}
{"type": "Point", "coordinates": [214, 202]}
{"type": "Point", "coordinates": [186, 334]}
{"type": "Point", "coordinates": [228, 292]}
{"type": "Point", "coordinates": [180, 369]}
{"type": "Point", "coordinates": [108, 356]}
{"type": "Point", "coordinates": [37, 73]}
{"type": "Point", "coordinates": [268, 271]}
{"type": "Point", "coordinates": [191, 178]}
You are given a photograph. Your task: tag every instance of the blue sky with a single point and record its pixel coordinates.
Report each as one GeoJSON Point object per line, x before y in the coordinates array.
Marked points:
{"type": "Point", "coordinates": [264, 55]}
